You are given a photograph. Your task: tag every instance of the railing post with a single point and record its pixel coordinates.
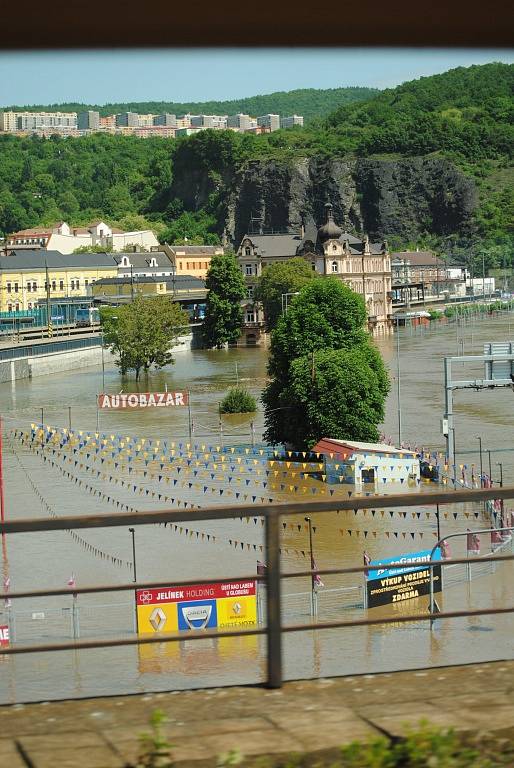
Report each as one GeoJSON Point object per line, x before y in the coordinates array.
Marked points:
{"type": "Point", "coordinates": [273, 603]}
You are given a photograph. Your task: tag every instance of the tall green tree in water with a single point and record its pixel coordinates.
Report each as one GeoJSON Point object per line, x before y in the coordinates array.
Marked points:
{"type": "Point", "coordinates": [327, 377]}
{"type": "Point", "coordinates": [223, 312]}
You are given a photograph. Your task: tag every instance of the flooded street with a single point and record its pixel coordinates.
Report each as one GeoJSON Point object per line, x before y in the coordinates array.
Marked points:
{"type": "Point", "coordinates": [65, 485]}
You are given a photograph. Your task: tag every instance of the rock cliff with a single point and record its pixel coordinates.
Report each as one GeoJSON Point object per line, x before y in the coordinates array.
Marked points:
{"type": "Point", "coordinates": [383, 197]}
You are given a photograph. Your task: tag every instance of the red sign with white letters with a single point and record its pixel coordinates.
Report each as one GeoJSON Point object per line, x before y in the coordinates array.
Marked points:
{"type": "Point", "coordinates": [196, 592]}
{"type": "Point", "coordinates": [4, 635]}
{"type": "Point", "coordinates": [143, 400]}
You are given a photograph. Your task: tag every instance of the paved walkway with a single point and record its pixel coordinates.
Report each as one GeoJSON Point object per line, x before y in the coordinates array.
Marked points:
{"type": "Point", "coordinates": [311, 716]}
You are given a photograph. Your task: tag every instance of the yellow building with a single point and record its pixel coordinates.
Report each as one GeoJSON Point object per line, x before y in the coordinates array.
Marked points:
{"type": "Point", "coordinates": [192, 260]}
{"type": "Point", "coordinates": [23, 276]}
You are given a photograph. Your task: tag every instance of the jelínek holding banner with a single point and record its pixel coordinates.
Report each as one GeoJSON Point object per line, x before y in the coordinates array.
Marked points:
{"type": "Point", "coordinates": [386, 584]}
{"type": "Point", "coordinates": [143, 400]}
{"type": "Point", "coordinates": [203, 606]}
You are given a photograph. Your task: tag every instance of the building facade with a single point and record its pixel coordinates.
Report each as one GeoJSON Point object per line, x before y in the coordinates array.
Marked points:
{"type": "Point", "coordinates": [192, 260]}
{"type": "Point", "coordinates": [28, 278]}
{"type": "Point", "coordinates": [363, 266]}
{"type": "Point", "coordinates": [88, 121]}
{"type": "Point", "coordinates": [290, 122]}
{"type": "Point", "coordinates": [61, 237]}
{"type": "Point", "coordinates": [271, 122]}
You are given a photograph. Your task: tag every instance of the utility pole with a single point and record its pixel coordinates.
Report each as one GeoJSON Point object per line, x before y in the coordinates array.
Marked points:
{"type": "Point", "coordinates": [131, 283]}
{"type": "Point", "coordinates": [48, 308]}
{"type": "Point", "coordinates": [309, 521]}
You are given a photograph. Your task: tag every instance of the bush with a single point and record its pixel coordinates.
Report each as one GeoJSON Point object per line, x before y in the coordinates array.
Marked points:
{"type": "Point", "coordinates": [238, 400]}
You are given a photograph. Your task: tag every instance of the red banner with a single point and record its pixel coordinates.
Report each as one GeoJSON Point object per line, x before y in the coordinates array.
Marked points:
{"type": "Point", "coordinates": [4, 635]}
{"type": "Point", "coordinates": [143, 400]}
{"type": "Point", "coordinates": [196, 592]}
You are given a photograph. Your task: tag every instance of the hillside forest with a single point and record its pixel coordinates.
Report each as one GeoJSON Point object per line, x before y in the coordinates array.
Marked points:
{"type": "Point", "coordinates": [464, 117]}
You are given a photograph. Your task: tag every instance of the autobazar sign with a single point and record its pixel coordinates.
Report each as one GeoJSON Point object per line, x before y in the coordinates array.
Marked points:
{"type": "Point", "coordinates": [202, 606]}
{"type": "Point", "coordinates": [143, 400]}
{"type": "Point", "coordinates": [387, 584]}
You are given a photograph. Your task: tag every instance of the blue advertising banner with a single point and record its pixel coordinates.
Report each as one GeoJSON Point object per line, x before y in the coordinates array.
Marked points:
{"type": "Point", "coordinates": [197, 614]}
{"type": "Point", "coordinates": [386, 585]}
{"type": "Point", "coordinates": [383, 568]}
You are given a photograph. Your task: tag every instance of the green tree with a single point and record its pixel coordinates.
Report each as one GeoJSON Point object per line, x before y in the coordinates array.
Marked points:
{"type": "Point", "coordinates": [327, 377]}
{"type": "Point", "coordinates": [143, 332]}
{"type": "Point", "coordinates": [286, 277]}
{"type": "Point", "coordinates": [223, 312]}
{"type": "Point", "coordinates": [238, 400]}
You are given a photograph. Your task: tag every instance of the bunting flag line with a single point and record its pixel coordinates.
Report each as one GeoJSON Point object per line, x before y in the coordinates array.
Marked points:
{"type": "Point", "coordinates": [87, 546]}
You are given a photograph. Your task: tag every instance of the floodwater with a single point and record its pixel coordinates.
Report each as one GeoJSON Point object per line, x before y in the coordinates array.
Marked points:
{"type": "Point", "coordinates": [35, 488]}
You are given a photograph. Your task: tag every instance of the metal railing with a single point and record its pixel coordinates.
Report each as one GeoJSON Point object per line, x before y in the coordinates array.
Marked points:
{"type": "Point", "coordinates": [32, 350]}
{"type": "Point", "coordinates": [274, 629]}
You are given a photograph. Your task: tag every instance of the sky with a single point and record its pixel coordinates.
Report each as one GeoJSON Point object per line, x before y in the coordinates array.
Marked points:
{"type": "Point", "coordinates": [99, 77]}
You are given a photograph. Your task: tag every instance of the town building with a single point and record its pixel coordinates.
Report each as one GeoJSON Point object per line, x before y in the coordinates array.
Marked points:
{"type": "Point", "coordinates": [108, 123]}
{"type": "Point", "coordinates": [25, 274]}
{"type": "Point", "coordinates": [8, 121]}
{"type": "Point", "coordinates": [192, 259]}
{"type": "Point", "coordinates": [188, 291]}
{"type": "Point", "coordinates": [418, 276]}
{"type": "Point", "coordinates": [241, 122]}
{"type": "Point", "coordinates": [30, 122]}
{"type": "Point", "coordinates": [379, 464]}
{"type": "Point", "coordinates": [88, 121]}
{"type": "Point", "coordinates": [216, 122]}
{"type": "Point", "coordinates": [271, 122]}
{"type": "Point", "coordinates": [128, 119]}
{"type": "Point", "coordinates": [291, 122]}
{"type": "Point", "coordinates": [165, 132]}
{"type": "Point", "coordinates": [154, 264]}
{"type": "Point", "coordinates": [364, 266]}
{"type": "Point", "coordinates": [166, 119]}
{"type": "Point", "coordinates": [65, 239]}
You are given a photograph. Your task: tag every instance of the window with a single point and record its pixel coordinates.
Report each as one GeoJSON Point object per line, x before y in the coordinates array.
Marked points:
{"type": "Point", "coordinates": [249, 292]}
{"type": "Point", "coordinates": [72, 285]}
{"type": "Point", "coordinates": [9, 307]}
{"type": "Point", "coordinates": [248, 251]}
{"type": "Point", "coordinates": [249, 269]}
{"type": "Point", "coordinates": [17, 307]}
{"type": "Point", "coordinates": [61, 285]}
{"type": "Point", "coordinates": [34, 286]}
{"type": "Point", "coordinates": [30, 305]}
{"type": "Point", "coordinates": [29, 287]}
{"type": "Point", "coordinates": [16, 287]}
{"type": "Point", "coordinates": [250, 316]}
{"type": "Point", "coordinates": [86, 282]}
{"type": "Point", "coordinates": [334, 266]}
{"type": "Point", "coordinates": [77, 283]}
{"type": "Point", "coordinates": [9, 287]}
{"type": "Point", "coordinates": [54, 285]}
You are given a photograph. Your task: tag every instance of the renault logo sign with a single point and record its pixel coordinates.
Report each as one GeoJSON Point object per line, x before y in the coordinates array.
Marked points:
{"type": "Point", "coordinates": [158, 619]}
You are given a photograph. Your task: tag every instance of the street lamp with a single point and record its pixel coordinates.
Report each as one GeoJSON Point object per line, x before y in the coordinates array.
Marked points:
{"type": "Point", "coordinates": [133, 532]}
{"type": "Point", "coordinates": [477, 437]}
{"type": "Point", "coordinates": [398, 383]}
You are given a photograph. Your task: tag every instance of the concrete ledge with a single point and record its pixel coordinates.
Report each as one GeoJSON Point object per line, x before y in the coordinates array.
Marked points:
{"type": "Point", "coordinates": [315, 717]}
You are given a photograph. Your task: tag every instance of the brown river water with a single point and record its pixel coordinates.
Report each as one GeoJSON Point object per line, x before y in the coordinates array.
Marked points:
{"type": "Point", "coordinates": [34, 488]}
